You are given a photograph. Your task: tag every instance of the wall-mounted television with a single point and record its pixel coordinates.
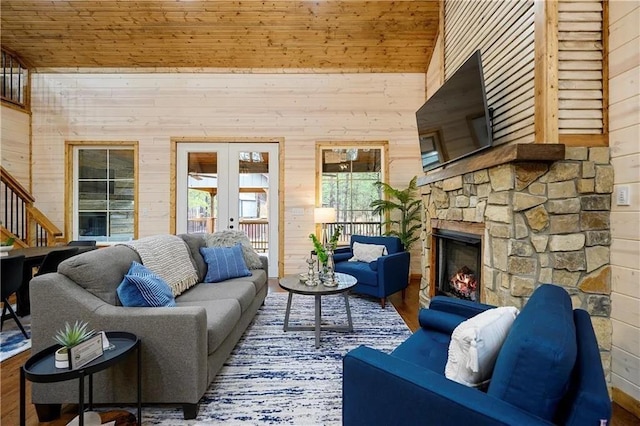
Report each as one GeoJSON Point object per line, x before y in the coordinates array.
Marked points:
{"type": "Point", "coordinates": [455, 122]}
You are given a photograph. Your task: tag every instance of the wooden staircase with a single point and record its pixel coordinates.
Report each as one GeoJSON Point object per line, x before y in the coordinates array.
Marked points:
{"type": "Point", "coordinates": [20, 219]}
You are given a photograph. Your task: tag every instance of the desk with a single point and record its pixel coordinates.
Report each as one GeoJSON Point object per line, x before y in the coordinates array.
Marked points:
{"type": "Point", "coordinates": [33, 257]}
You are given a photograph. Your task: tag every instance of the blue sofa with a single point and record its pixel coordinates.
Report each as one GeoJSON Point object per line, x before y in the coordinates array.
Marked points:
{"type": "Point", "coordinates": [380, 278]}
{"type": "Point", "coordinates": [548, 371]}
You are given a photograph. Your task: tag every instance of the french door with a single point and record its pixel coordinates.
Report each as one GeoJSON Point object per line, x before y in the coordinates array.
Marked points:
{"type": "Point", "coordinates": [230, 186]}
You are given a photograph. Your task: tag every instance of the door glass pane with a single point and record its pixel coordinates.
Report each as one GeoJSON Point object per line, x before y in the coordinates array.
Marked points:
{"type": "Point", "coordinates": [202, 181]}
{"type": "Point", "coordinates": [253, 184]}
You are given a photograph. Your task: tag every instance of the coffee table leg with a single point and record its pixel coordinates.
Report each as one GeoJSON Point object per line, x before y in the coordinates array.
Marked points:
{"type": "Point", "coordinates": [318, 317]}
{"type": "Point", "coordinates": [287, 312]}
{"type": "Point", "coordinates": [346, 302]}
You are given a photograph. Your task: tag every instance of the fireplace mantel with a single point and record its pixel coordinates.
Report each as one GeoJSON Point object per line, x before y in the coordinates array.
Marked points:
{"type": "Point", "coordinates": [494, 157]}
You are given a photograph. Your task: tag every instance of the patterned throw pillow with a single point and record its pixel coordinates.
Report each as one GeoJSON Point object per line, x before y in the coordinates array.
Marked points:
{"type": "Point", "coordinates": [142, 288]}
{"type": "Point", "coordinates": [224, 263]}
{"type": "Point", "coordinates": [367, 252]}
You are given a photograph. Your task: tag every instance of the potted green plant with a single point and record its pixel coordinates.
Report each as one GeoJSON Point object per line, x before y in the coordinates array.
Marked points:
{"type": "Point", "coordinates": [403, 209]}
{"type": "Point", "coordinates": [68, 337]}
{"type": "Point", "coordinates": [321, 251]}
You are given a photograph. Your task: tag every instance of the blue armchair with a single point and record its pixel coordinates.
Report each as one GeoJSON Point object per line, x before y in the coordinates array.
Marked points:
{"type": "Point", "coordinates": [382, 277]}
{"type": "Point", "coordinates": [548, 371]}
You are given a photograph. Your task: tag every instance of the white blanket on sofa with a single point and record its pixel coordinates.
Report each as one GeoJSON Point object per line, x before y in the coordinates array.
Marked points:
{"type": "Point", "coordinates": [168, 257]}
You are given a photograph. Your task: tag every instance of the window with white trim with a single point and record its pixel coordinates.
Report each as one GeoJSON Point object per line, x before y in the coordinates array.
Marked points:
{"type": "Point", "coordinates": [104, 193]}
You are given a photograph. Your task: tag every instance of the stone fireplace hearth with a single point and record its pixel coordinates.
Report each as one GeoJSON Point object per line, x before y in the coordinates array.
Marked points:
{"type": "Point", "coordinates": [540, 222]}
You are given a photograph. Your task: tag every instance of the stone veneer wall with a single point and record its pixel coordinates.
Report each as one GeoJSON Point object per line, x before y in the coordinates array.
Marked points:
{"type": "Point", "coordinates": [544, 223]}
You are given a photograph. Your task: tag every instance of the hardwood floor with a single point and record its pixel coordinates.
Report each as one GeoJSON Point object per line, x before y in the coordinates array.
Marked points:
{"type": "Point", "coordinates": [10, 378]}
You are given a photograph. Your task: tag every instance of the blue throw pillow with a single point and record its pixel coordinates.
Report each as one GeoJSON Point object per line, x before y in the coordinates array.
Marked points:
{"type": "Point", "coordinates": [224, 263]}
{"type": "Point", "coordinates": [142, 288]}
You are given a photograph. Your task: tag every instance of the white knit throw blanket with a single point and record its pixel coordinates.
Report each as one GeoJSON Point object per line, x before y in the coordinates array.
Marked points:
{"type": "Point", "coordinates": [168, 257]}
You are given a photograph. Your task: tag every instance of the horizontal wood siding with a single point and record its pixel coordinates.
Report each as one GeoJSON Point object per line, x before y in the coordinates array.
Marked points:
{"type": "Point", "coordinates": [580, 67]}
{"type": "Point", "coordinates": [624, 127]}
{"type": "Point", "coordinates": [153, 108]}
{"type": "Point", "coordinates": [504, 32]}
{"type": "Point", "coordinates": [15, 143]}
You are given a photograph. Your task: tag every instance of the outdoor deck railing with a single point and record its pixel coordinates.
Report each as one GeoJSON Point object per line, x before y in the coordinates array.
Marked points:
{"type": "Point", "coordinates": [258, 230]}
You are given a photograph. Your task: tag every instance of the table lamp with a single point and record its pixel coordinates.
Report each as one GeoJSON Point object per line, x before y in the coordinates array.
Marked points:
{"type": "Point", "coordinates": [324, 215]}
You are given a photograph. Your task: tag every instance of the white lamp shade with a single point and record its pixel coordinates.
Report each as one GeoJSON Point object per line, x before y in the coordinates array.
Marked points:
{"type": "Point", "coordinates": [324, 215]}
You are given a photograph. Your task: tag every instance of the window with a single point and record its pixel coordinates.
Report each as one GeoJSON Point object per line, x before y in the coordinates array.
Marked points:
{"type": "Point", "coordinates": [347, 184]}
{"type": "Point", "coordinates": [104, 193]}
{"type": "Point", "coordinates": [15, 80]}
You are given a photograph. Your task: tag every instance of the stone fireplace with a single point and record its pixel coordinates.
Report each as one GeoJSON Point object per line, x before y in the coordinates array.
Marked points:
{"type": "Point", "coordinates": [538, 221]}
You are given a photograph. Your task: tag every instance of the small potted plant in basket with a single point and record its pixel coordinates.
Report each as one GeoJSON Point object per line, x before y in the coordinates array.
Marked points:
{"type": "Point", "coordinates": [68, 337]}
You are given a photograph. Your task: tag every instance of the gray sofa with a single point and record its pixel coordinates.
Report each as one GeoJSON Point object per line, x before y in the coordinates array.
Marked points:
{"type": "Point", "coordinates": [183, 347]}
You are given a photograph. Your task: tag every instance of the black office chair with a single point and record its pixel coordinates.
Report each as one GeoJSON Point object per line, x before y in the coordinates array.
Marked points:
{"type": "Point", "coordinates": [11, 280]}
{"type": "Point", "coordinates": [53, 259]}
{"type": "Point", "coordinates": [82, 243]}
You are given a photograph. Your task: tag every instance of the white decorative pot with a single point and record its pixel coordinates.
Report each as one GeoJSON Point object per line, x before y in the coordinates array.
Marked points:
{"type": "Point", "coordinates": [62, 358]}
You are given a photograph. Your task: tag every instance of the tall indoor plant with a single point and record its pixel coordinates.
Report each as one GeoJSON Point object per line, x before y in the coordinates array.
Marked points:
{"type": "Point", "coordinates": [402, 209]}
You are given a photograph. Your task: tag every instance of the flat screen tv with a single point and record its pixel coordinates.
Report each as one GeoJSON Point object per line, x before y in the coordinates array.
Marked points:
{"type": "Point", "coordinates": [455, 121]}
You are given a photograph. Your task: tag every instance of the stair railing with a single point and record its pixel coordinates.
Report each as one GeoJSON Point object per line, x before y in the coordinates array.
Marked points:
{"type": "Point", "coordinates": [21, 220]}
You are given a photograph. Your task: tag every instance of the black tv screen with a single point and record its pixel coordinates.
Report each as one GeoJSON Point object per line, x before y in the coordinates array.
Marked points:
{"type": "Point", "coordinates": [454, 122]}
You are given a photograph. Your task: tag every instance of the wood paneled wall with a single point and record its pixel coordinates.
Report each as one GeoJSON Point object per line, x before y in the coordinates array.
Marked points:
{"type": "Point", "coordinates": [580, 67]}
{"type": "Point", "coordinates": [624, 119]}
{"type": "Point", "coordinates": [153, 108]}
{"type": "Point", "coordinates": [504, 32]}
{"type": "Point", "coordinates": [15, 143]}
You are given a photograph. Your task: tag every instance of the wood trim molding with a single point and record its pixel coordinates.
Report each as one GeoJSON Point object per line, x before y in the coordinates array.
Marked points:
{"type": "Point", "coordinates": [496, 156]}
{"type": "Point", "coordinates": [627, 402]}
{"type": "Point", "coordinates": [68, 180]}
{"type": "Point", "coordinates": [584, 140]}
{"type": "Point", "coordinates": [546, 72]}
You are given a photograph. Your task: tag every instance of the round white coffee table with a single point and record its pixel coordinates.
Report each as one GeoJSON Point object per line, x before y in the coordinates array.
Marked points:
{"type": "Point", "coordinates": [292, 284]}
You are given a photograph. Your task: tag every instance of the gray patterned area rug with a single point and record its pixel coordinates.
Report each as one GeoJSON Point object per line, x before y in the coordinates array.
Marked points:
{"type": "Point", "coordinates": [277, 377]}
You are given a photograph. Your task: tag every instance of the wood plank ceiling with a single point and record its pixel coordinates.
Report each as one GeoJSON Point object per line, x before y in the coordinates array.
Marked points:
{"type": "Point", "coordinates": [346, 36]}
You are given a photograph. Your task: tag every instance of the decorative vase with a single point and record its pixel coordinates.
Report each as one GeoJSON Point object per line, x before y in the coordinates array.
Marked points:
{"type": "Point", "coordinates": [62, 358]}
{"type": "Point", "coordinates": [330, 273]}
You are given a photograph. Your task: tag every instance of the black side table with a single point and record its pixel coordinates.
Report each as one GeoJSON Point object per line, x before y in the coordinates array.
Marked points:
{"type": "Point", "coordinates": [40, 368]}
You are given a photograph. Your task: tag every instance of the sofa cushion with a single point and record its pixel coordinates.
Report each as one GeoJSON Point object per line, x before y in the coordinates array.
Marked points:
{"type": "Point", "coordinates": [367, 252]}
{"type": "Point", "coordinates": [195, 242]}
{"type": "Point", "coordinates": [360, 270]}
{"type": "Point", "coordinates": [242, 291]}
{"type": "Point", "coordinates": [426, 348]}
{"type": "Point", "coordinates": [224, 263]}
{"type": "Point", "coordinates": [475, 344]}
{"type": "Point", "coordinates": [222, 317]}
{"type": "Point", "coordinates": [534, 365]}
{"type": "Point", "coordinates": [258, 278]}
{"type": "Point", "coordinates": [101, 271]}
{"type": "Point", "coordinates": [142, 288]}
{"type": "Point", "coordinates": [229, 238]}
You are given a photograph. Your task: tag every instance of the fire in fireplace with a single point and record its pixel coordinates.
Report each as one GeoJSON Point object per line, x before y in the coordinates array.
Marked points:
{"type": "Point", "coordinates": [458, 264]}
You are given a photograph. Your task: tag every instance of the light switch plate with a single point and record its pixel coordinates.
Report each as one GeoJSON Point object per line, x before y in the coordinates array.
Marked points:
{"type": "Point", "coordinates": [297, 211]}
{"type": "Point", "coordinates": [622, 195]}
